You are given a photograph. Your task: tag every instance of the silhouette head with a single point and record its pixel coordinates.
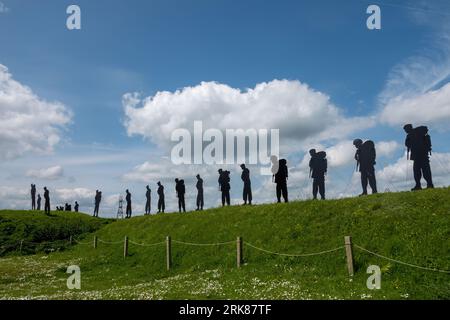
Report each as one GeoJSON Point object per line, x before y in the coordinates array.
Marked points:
{"type": "Point", "coordinates": [198, 176]}
{"type": "Point", "coordinates": [312, 152]}
{"type": "Point", "coordinates": [176, 180]}
{"type": "Point", "coordinates": [220, 171]}
{"type": "Point", "coordinates": [408, 128]}
{"type": "Point", "coordinates": [357, 143]}
{"type": "Point", "coordinates": [158, 183]}
{"type": "Point", "coordinates": [242, 166]}
{"type": "Point", "coordinates": [45, 188]}
{"type": "Point", "coordinates": [148, 188]}
{"type": "Point", "coordinates": [127, 191]}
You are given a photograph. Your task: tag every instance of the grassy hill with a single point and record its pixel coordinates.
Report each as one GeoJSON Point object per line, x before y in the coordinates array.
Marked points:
{"type": "Point", "coordinates": [410, 227]}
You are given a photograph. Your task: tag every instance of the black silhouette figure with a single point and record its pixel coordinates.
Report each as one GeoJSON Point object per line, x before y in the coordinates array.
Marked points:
{"type": "Point", "coordinates": [161, 201]}
{"type": "Point", "coordinates": [280, 178]}
{"type": "Point", "coordinates": [98, 199]}
{"type": "Point", "coordinates": [128, 200]}
{"type": "Point", "coordinates": [148, 196]}
{"type": "Point", "coordinates": [199, 186]}
{"type": "Point", "coordinates": [365, 157]}
{"type": "Point", "coordinates": [247, 192]}
{"type": "Point", "coordinates": [39, 202]}
{"type": "Point", "coordinates": [67, 207]}
{"type": "Point", "coordinates": [33, 197]}
{"type": "Point", "coordinates": [418, 143]}
{"type": "Point", "coordinates": [180, 188]}
{"type": "Point", "coordinates": [318, 167]}
{"type": "Point", "coordinates": [46, 201]}
{"type": "Point", "coordinates": [224, 186]}
{"type": "Point", "coordinates": [76, 206]}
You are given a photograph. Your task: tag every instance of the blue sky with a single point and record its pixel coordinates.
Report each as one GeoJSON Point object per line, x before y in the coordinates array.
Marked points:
{"type": "Point", "coordinates": [154, 46]}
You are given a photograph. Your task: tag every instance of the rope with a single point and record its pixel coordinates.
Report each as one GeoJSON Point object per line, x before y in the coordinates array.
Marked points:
{"type": "Point", "coordinates": [83, 243]}
{"type": "Point", "coordinates": [108, 242]}
{"type": "Point", "coordinates": [146, 245]}
{"type": "Point", "coordinates": [401, 262]}
{"type": "Point", "coordinates": [203, 244]}
{"type": "Point", "coordinates": [294, 255]}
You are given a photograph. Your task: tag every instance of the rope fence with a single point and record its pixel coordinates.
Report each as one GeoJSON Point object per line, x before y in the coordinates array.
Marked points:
{"type": "Point", "coordinates": [348, 246]}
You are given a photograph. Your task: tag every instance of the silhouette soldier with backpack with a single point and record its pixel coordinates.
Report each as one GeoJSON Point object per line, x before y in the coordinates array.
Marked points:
{"type": "Point", "coordinates": [365, 157]}
{"type": "Point", "coordinates": [128, 200]}
{"type": "Point", "coordinates": [46, 201]}
{"type": "Point", "coordinates": [161, 201]}
{"type": "Point", "coordinates": [76, 206]}
{"type": "Point", "coordinates": [247, 192]}
{"type": "Point", "coordinates": [224, 186]}
{"type": "Point", "coordinates": [199, 186]}
{"type": "Point", "coordinates": [418, 144]}
{"type": "Point", "coordinates": [181, 190]}
{"type": "Point", "coordinates": [148, 196]}
{"type": "Point", "coordinates": [280, 178]}
{"type": "Point", "coordinates": [98, 199]}
{"type": "Point", "coordinates": [317, 170]}
{"type": "Point", "coordinates": [33, 197]}
{"type": "Point", "coordinates": [39, 202]}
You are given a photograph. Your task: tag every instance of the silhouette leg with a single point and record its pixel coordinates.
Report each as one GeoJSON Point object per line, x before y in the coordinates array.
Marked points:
{"type": "Point", "coordinates": [417, 167]}
{"type": "Point", "coordinates": [315, 188]}
{"type": "Point", "coordinates": [426, 169]}
{"type": "Point", "coordinates": [249, 196]}
{"type": "Point", "coordinates": [372, 180]}
{"type": "Point", "coordinates": [278, 193]}
{"type": "Point", "coordinates": [364, 182]}
{"type": "Point", "coordinates": [322, 188]}
{"type": "Point", "coordinates": [285, 192]}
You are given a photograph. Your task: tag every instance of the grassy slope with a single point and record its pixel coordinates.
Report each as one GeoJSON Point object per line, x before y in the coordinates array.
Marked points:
{"type": "Point", "coordinates": [412, 227]}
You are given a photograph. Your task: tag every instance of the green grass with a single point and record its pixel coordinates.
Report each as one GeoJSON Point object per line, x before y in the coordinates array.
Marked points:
{"type": "Point", "coordinates": [411, 227]}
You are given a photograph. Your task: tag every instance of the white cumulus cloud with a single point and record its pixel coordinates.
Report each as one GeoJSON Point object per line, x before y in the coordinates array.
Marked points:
{"type": "Point", "coordinates": [299, 112]}
{"type": "Point", "coordinates": [28, 123]}
{"type": "Point", "coordinates": [51, 173]}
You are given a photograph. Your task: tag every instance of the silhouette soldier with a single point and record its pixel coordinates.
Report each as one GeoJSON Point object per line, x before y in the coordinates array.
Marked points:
{"type": "Point", "coordinates": [128, 200]}
{"type": "Point", "coordinates": [247, 192]}
{"type": "Point", "coordinates": [67, 207]}
{"type": "Point", "coordinates": [161, 201]}
{"type": "Point", "coordinates": [224, 186]}
{"type": "Point", "coordinates": [365, 157]}
{"type": "Point", "coordinates": [418, 144]}
{"type": "Point", "coordinates": [148, 196]}
{"type": "Point", "coordinates": [199, 186]}
{"type": "Point", "coordinates": [280, 178]}
{"type": "Point", "coordinates": [98, 199]}
{"type": "Point", "coordinates": [76, 206]}
{"type": "Point", "coordinates": [46, 201]}
{"type": "Point", "coordinates": [317, 170]}
{"type": "Point", "coordinates": [180, 188]}
{"type": "Point", "coordinates": [39, 202]}
{"type": "Point", "coordinates": [33, 197]}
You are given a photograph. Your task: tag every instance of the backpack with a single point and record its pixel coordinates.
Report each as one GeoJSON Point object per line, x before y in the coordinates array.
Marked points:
{"type": "Point", "coordinates": [422, 141]}
{"type": "Point", "coordinates": [282, 169]}
{"type": "Point", "coordinates": [368, 148]}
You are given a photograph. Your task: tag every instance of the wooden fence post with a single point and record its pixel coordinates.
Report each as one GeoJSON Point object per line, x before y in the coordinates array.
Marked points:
{"type": "Point", "coordinates": [349, 253]}
{"type": "Point", "coordinates": [125, 247]}
{"type": "Point", "coordinates": [239, 256]}
{"type": "Point", "coordinates": [168, 252]}
{"type": "Point", "coordinates": [95, 242]}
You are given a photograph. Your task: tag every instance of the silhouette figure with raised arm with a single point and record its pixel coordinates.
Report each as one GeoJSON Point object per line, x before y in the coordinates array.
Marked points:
{"type": "Point", "coordinates": [181, 190]}
{"type": "Point", "coordinates": [365, 157]}
{"type": "Point", "coordinates": [98, 199]}
{"type": "Point", "coordinates": [224, 186]}
{"type": "Point", "coordinates": [76, 206]}
{"type": "Point", "coordinates": [280, 178]}
{"type": "Point", "coordinates": [161, 201]}
{"type": "Point", "coordinates": [46, 201]}
{"type": "Point", "coordinates": [128, 200]}
{"type": "Point", "coordinates": [318, 167]}
{"type": "Point", "coordinates": [247, 192]}
{"type": "Point", "coordinates": [418, 144]}
{"type": "Point", "coordinates": [39, 202]}
{"type": "Point", "coordinates": [33, 197]}
{"type": "Point", "coordinates": [199, 186]}
{"type": "Point", "coordinates": [148, 202]}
